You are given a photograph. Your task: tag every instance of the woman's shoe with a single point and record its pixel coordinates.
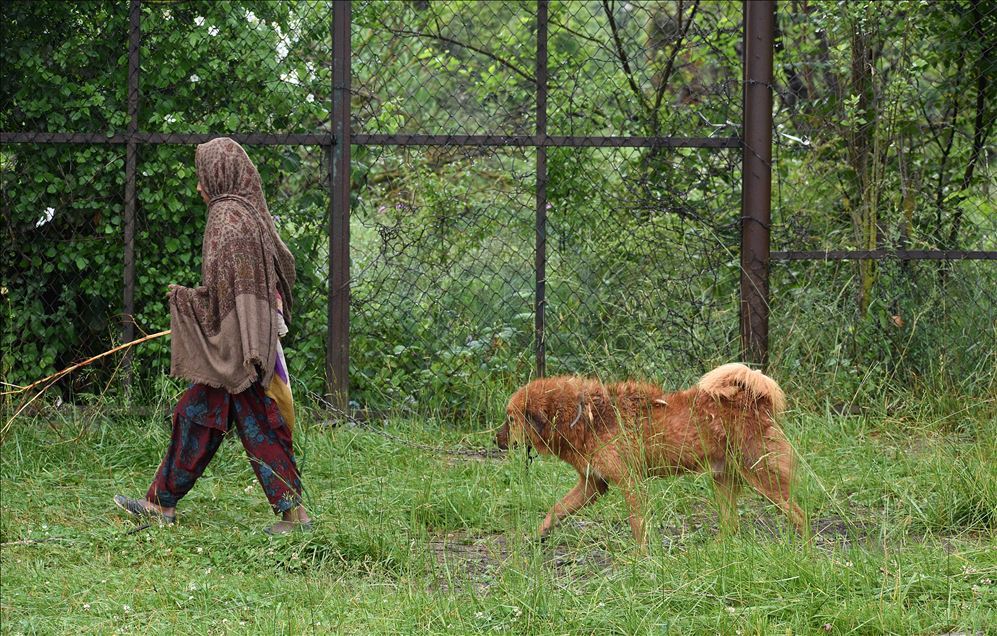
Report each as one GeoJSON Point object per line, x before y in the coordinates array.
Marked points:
{"type": "Point", "coordinates": [137, 508]}
{"type": "Point", "coordinates": [284, 527]}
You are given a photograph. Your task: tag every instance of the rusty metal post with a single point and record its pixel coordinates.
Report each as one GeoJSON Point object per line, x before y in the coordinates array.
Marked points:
{"type": "Point", "coordinates": [756, 178]}
{"type": "Point", "coordinates": [131, 167]}
{"type": "Point", "coordinates": [337, 355]}
{"type": "Point", "coordinates": [540, 300]}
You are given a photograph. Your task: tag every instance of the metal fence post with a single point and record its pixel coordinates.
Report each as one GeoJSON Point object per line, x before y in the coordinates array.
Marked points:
{"type": "Point", "coordinates": [131, 161]}
{"type": "Point", "coordinates": [540, 301]}
{"type": "Point", "coordinates": [337, 356]}
{"type": "Point", "coordinates": [756, 178]}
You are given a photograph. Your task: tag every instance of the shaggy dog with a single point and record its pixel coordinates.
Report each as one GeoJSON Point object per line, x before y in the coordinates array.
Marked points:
{"type": "Point", "coordinates": [625, 432]}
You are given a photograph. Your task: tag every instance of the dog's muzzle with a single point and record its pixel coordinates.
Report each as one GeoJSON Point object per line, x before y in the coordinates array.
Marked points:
{"type": "Point", "coordinates": [502, 437]}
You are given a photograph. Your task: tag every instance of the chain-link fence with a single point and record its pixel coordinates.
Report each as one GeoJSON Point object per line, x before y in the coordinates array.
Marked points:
{"type": "Point", "coordinates": [884, 149]}
{"type": "Point", "coordinates": [544, 221]}
{"type": "Point", "coordinates": [101, 105]}
{"type": "Point", "coordinates": [477, 193]}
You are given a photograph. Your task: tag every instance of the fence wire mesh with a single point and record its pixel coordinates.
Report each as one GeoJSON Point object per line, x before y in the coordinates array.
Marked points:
{"type": "Point", "coordinates": [62, 259]}
{"type": "Point", "coordinates": [456, 68]}
{"type": "Point", "coordinates": [884, 144]}
{"type": "Point", "coordinates": [645, 68]}
{"type": "Point", "coordinates": [252, 67]}
{"type": "Point", "coordinates": [577, 156]}
{"type": "Point", "coordinates": [445, 238]}
{"type": "Point", "coordinates": [258, 71]}
{"type": "Point", "coordinates": [443, 286]}
{"type": "Point", "coordinates": [641, 281]}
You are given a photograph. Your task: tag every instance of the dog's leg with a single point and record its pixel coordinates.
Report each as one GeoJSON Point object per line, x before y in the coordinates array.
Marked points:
{"type": "Point", "coordinates": [585, 492]}
{"type": "Point", "coordinates": [772, 476]}
{"type": "Point", "coordinates": [634, 495]}
{"type": "Point", "coordinates": [728, 487]}
{"type": "Point", "coordinates": [629, 476]}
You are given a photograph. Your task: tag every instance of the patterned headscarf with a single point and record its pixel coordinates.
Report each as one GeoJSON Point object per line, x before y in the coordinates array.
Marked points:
{"type": "Point", "coordinates": [226, 173]}
{"type": "Point", "coordinates": [225, 331]}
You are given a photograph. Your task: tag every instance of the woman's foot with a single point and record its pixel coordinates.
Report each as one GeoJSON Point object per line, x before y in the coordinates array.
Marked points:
{"type": "Point", "coordinates": [294, 519]}
{"type": "Point", "coordinates": [146, 509]}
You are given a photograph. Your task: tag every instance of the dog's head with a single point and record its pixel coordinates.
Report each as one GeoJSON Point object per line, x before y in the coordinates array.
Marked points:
{"type": "Point", "coordinates": [525, 421]}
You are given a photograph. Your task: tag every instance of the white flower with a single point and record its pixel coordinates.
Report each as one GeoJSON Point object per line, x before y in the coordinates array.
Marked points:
{"type": "Point", "coordinates": [195, 78]}
{"type": "Point", "coordinates": [170, 119]}
{"type": "Point", "coordinates": [126, 608]}
{"type": "Point", "coordinates": [49, 215]}
{"type": "Point", "coordinates": [213, 31]}
{"type": "Point", "coordinates": [290, 78]}
{"type": "Point", "coordinates": [199, 20]}
{"type": "Point", "coordinates": [200, 549]}
{"type": "Point", "coordinates": [310, 98]}
{"type": "Point", "coordinates": [86, 606]}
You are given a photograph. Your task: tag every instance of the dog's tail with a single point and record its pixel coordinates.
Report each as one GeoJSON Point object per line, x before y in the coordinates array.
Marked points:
{"type": "Point", "coordinates": [731, 379]}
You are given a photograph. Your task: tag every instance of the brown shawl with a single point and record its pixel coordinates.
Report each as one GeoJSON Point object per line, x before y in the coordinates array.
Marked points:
{"type": "Point", "coordinates": [225, 331]}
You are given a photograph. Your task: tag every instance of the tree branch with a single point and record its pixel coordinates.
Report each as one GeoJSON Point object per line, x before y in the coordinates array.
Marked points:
{"type": "Point", "coordinates": [442, 38]}
{"type": "Point", "coordinates": [981, 125]}
{"type": "Point", "coordinates": [666, 76]}
{"type": "Point", "coordinates": [622, 55]}
{"type": "Point", "coordinates": [946, 150]}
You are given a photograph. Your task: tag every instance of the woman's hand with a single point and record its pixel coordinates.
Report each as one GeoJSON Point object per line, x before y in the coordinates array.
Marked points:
{"type": "Point", "coordinates": [170, 289]}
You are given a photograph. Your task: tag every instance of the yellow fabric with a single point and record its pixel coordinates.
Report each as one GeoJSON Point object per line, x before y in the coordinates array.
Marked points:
{"type": "Point", "coordinates": [281, 394]}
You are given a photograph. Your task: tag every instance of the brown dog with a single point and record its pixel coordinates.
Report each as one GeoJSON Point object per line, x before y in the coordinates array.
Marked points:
{"type": "Point", "coordinates": [625, 432]}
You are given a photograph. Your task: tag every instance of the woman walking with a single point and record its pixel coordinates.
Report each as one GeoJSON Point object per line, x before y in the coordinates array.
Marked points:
{"type": "Point", "coordinates": [226, 340]}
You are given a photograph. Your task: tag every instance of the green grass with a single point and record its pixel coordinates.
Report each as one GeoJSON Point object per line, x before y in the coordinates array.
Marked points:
{"type": "Point", "coordinates": [410, 541]}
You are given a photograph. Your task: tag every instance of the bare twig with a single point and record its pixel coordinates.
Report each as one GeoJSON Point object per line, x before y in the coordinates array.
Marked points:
{"type": "Point", "coordinates": [67, 370]}
{"type": "Point", "coordinates": [55, 377]}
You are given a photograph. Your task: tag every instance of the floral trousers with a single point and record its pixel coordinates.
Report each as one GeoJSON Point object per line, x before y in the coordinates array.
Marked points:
{"type": "Point", "coordinates": [200, 421]}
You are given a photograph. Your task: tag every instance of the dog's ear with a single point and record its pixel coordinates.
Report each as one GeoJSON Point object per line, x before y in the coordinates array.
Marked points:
{"type": "Point", "coordinates": [536, 421]}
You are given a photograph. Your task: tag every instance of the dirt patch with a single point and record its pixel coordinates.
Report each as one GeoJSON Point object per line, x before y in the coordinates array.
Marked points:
{"type": "Point", "coordinates": [464, 559]}
{"type": "Point", "coordinates": [829, 532]}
